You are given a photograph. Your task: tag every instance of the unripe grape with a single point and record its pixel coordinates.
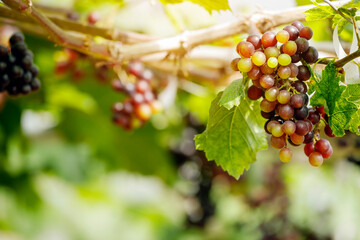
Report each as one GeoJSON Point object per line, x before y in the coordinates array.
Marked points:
{"type": "Point", "coordinates": [245, 49]}
{"type": "Point", "coordinates": [301, 128]}
{"type": "Point", "coordinates": [255, 73]}
{"type": "Point", "coordinates": [267, 81]}
{"type": "Point", "coordinates": [283, 97]}
{"type": "Point", "coordinates": [267, 106]}
{"type": "Point", "coordinates": [255, 40]}
{"type": "Point", "coordinates": [272, 62]}
{"type": "Point", "coordinates": [316, 159]}
{"type": "Point", "coordinates": [282, 36]}
{"type": "Point", "coordinates": [271, 94]}
{"type": "Point", "coordinates": [285, 155]}
{"type": "Point", "coordinates": [258, 58]}
{"type": "Point", "coordinates": [309, 148]}
{"type": "Point", "coordinates": [290, 48]}
{"type": "Point", "coordinates": [306, 32]}
{"type": "Point", "coordinates": [297, 139]}
{"type": "Point", "coordinates": [265, 69]}
{"type": "Point", "coordinates": [245, 65]}
{"type": "Point", "coordinates": [234, 64]}
{"type": "Point", "coordinates": [277, 131]}
{"type": "Point", "coordinates": [293, 32]}
{"type": "Point", "coordinates": [302, 45]}
{"type": "Point", "coordinates": [285, 111]}
{"type": "Point", "coordinates": [289, 127]}
{"type": "Point", "coordinates": [268, 39]}
{"type": "Point", "coordinates": [298, 25]}
{"type": "Point", "coordinates": [277, 142]}
{"type": "Point", "coordinates": [284, 59]}
{"type": "Point", "coordinates": [254, 93]}
{"type": "Point", "coordinates": [284, 72]}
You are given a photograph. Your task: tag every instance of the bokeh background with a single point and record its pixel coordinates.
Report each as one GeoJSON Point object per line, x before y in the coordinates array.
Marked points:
{"type": "Point", "coordinates": [67, 172]}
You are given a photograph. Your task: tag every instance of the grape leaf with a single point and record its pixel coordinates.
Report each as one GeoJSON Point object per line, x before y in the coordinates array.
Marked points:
{"type": "Point", "coordinates": [339, 99]}
{"type": "Point", "coordinates": [316, 14]}
{"type": "Point", "coordinates": [232, 94]}
{"type": "Point", "coordinates": [232, 137]}
{"type": "Point", "coordinates": [216, 5]}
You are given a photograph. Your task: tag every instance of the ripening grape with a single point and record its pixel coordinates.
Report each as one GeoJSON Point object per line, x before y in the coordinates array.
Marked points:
{"type": "Point", "coordinates": [290, 48]}
{"type": "Point", "coordinates": [311, 55]}
{"type": "Point", "coordinates": [272, 62]}
{"type": "Point", "coordinates": [255, 40]}
{"type": "Point", "coordinates": [316, 159]}
{"type": "Point", "coordinates": [270, 124]}
{"type": "Point", "coordinates": [245, 49]}
{"type": "Point", "coordinates": [293, 32]}
{"type": "Point", "coordinates": [277, 142]}
{"type": "Point", "coordinates": [268, 115]}
{"type": "Point", "coordinates": [271, 52]}
{"type": "Point", "coordinates": [258, 58]}
{"type": "Point", "coordinates": [271, 94]}
{"type": "Point", "coordinates": [285, 155]}
{"type": "Point", "coordinates": [304, 73]}
{"type": "Point", "coordinates": [234, 64]}
{"type": "Point", "coordinates": [245, 65]}
{"type": "Point", "coordinates": [267, 106]}
{"type": "Point", "coordinates": [297, 139]}
{"type": "Point", "coordinates": [298, 25]}
{"type": "Point", "coordinates": [306, 32]}
{"type": "Point", "coordinates": [283, 97]}
{"type": "Point", "coordinates": [267, 81]}
{"type": "Point", "coordinates": [301, 128]}
{"type": "Point", "coordinates": [328, 131]}
{"type": "Point", "coordinates": [302, 45]}
{"type": "Point", "coordinates": [277, 131]}
{"type": "Point", "coordinates": [322, 145]}
{"type": "Point", "coordinates": [282, 36]}
{"type": "Point", "coordinates": [301, 113]}
{"type": "Point", "coordinates": [265, 69]}
{"type": "Point", "coordinates": [284, 72]}
{"type": "Point", "coordinates": [254, 93]}
{"type": "Point", "coordinates": [309, 123]}
{"type": "Point", "coordinates": [297, 100]}
{"type": "Point", "coordinates": [254, 73]}
{"type": "Point", "coordinates": [284, 59]}
{"type": "Point", "coordinates": [285, 111]}
{"type": "Point", "coordinates": [268, 39]}
{"type": "Point", "coordinates": [309, 148]}
{"type": "Point", "coordinates": [289, 127]}
{"type": "Point", "coordinates": [299, 86]}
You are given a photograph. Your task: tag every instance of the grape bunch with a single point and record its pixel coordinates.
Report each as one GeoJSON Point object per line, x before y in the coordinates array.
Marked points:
{"type": "Point", "coordinates": [279, 77]}
{"type": "Point", "coordinates": [141, 101]}
{"type": "Point", "coordinates": [18, 74]}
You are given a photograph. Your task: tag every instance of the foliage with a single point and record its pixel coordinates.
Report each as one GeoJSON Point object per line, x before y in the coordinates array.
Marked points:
{"type": "Point", "coordinates": [215, 5]}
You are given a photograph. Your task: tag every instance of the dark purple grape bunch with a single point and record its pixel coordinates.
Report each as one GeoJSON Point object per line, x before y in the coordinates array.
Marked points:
{"type": "Point", "coordinates": [281, 82]}
{"type": "Point", "coordinates": [141, 101]}
{"type": "Point", "coordinates": [18, 74]}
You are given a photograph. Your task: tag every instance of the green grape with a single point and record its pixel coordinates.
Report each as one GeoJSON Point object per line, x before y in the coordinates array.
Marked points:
{"type": "Point", "coordinates": [272, 62]}
{"type": "Point", "coordinates": [271, 94]}
{"type": "Point", "coordinates": [285, 155]}
{"type": "Point", "coordinates": [284, 59]}
{"type": "Point", "coordinates": [271, 52]}
{"type": "Point", "coordinates": [245, 65]}
{"type": "Point", "coordinates": [277, 131]}
{"type": "Point", "coordinates": [271, 124]}
{"type": "Point", "coordinates": [283, 97]}
{"type": "Point", "coordinates": [258, 58]}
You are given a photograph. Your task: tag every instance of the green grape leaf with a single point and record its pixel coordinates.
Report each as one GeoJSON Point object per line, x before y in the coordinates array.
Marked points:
{"type": "Point", "coordinates": [316, 14]}
{"type": "Point", "coordinates": [340, 21]}
{"type": "Point", "coordinates": [233, 94]}
{"type": "Point", "coordinates": [216, 5]}
{"type": "Point", "coordinates": [340, 101]}
{"type": "Point", "coordinates": [233, 137]}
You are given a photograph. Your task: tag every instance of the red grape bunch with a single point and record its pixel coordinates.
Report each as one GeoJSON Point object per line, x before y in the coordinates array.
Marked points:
{"type": "Point", "coordinates": [18, 74]}
{"type": "Point", "coordinates": [141, 101]}
{"type": "Point", "coordinates": [280, 79]}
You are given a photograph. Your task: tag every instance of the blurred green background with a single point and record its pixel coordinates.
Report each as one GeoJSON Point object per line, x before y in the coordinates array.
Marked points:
{"type": "Point", "coordinates": [67, 172]}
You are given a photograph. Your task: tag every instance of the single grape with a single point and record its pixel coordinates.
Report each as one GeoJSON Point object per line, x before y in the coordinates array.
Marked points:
{"type": "Point", "coordinates": [314, 116]}
{"type": "Point", "coordinates": [306, 32]}
{"type": "Point", "coordinates": [256, 83]}
{"type": "Point", "coordinates": [245, 65]}
{"type": "Point", "coordinates": [267, 106]}
{"type": "Point", "coordinates": [143, 111]}
{"type": "Point", "coordinates": [277, 142]}
{"type": "Point", "coordinates": [309, 123]}
{"type": "Point", "coordinates": [268, 39]}
{"type": "Point", "coordinates": [268, 115]}
{"type": "Point", "coordinates": [27, 77]}
{"type": "Point", "coordinates": [282, 36]}
{"type": "Point", "coordinates": [328, 131]}
{"type": "Point", "coordinates": [301, 113]}
{"type": "Point", "coordinates": [271, 52]}
{"type": "Point", "coordinates": [245, 49]}
{"type": "Point", "coordinates": [258, 58]}
{"type": "Point", "coordinates": [293, 32]}
{"type": "Point", "coordinates": [309, 137]}
{"type": "Point", "coordinates": [19, 49]}
{"type": "Point", "coordinates": [316, 159]}
{"type": "Point", "coordinates": [34, 70]}
{"type": "Point", "coordinates": [328, 153]}
{"type": "Point", "coordinates": [284, 59]}
{"type": "Point", "coordinates": [289, 127]}
{"type": "Point", "coordinates": [283, 97]}
{"type": "Point", "coordinates": [265, 69]}
{"type": "Point", "coordinates": [299, 86]}
{"type": "Point", "coordinates": [17, 72]}
{"type": "Point", "coordinates": [285, 155]}
{"type": "Point", "coordinates": [270, 124]}
{"type": "Point", "coordinates": [272, 62]}
{"type": "Point", "coordinates": [302, 45]}
{"type": "Point", "coordinates": [295, 58]}
{"type": "Point", "coordinates": [296, 138]}
{"type": "Point", "coordinates": [298, 25]}
{"type": "Point", "coordinates": [255, 73]}
{"type": "Point", "coordinates": [309, 148]}
{"type": "Point", "coordinates": [156, 106]}
{"type": "Point", "coordinates": [267, 81]}
{"type": "Point", "coordinates": [234, 64]}
{"type": "Point", "coordinates": [254, 93]}
{"type": "Point", "coordinates": [297, 101]}
{"type": "Point", "coordinates": [290, 48]}
{"type": "Point", "coordinates": [301, 128]}
{"type": "Point", "coordinates": [322, 145]}
{"type": "Point", "coordinates": [311, 55]}
{"type": "Point", "coordinates": [284, 72]}
{"type": "Point", "coordinates": [26, 62]}
{"type": "Point", "coordinates": [16, 37]}
{"type": "Point", "coordinates": [35, 84]}
{"type": "Point", "coordinates": [148, 75]}
{"type": "Point", "coordinates": [142, 86]}
{"type": "Point", "coordinates": [271, 94]}
{"type": "Point", "coordinates": [137, 99]}
{"type": "Point", "coordinates": [255, 40]}
{"type": "Point", "coordinates": [285, 111]}
{"type": "Point", "coordinates": [93, 17]}
{"type": "Point", "coordinates": [277, 131]}
{"type": "Point", "coordinates": [149, 96]}
{"type": "Point", "coordinates": [306, 98]}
